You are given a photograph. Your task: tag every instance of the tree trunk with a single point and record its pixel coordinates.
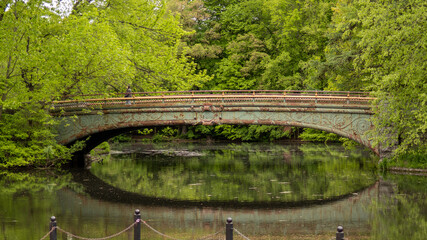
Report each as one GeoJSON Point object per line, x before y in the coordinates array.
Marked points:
{"type": "Point", "coordinates": [3, 98]}
{"type": "Point", "coordinates": [183, 130]}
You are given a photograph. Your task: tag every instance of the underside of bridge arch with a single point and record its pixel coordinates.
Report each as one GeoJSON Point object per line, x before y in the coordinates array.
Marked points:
{"type": "Point", "coordinates": [94, 139]}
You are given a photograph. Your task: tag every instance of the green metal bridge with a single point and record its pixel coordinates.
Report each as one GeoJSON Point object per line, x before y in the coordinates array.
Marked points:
{"type": "Point", "coordinates": [347, 114]}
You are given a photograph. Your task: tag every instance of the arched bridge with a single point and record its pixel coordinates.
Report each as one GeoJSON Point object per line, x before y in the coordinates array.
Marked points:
{"type": "Point", "coordinates": [347, 114]}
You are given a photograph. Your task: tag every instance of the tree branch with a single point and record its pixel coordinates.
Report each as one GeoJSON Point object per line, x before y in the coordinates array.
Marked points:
{"type": "Point", "coordinates": [138, 26]}
{"type": "Point", "coordinates": [3, 6]}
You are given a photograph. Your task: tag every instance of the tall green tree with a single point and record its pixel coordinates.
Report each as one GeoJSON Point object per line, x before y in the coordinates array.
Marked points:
{"type": "Point", "coordinates": [394, 58]}
{"type": "Point", "coordinates": [153, 37]}
{"type": "Point", "coordinates": [51, 52]}
{"type": "Point", "coordinates": [301, 37]}
{"type": "Point", "coordinates": [24, 122]}
{"type": "Point", "coordinates": [334, 68]}
{"type": "Point", "coordinates": [380, 46]}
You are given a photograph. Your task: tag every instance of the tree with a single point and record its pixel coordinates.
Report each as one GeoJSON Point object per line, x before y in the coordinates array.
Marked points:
{"type": "Point", "coordinates": [50, 53]}
{"type": "Point", "coordinates": [380, 46]}
{"type": "Point", "coordinates": [393, 57]}
{"type": "Point", "coordinates": [153, 37]}
{"type": "Point", "coordinates": [301, 37]}
{"type": "Point", "coordinates": [24, 121]}
{"type": "Point", "coordinates": [334, 68]}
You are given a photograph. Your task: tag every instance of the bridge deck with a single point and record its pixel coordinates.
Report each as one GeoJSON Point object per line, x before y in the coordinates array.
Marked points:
{"type": "Point", "coordinates": [282, 97]}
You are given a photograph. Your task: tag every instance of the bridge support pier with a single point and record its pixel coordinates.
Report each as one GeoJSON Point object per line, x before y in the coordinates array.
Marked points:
{"type": "Point", "coordinates": [386, 149]}
{"type": "Point", "coordinates": [386, 152]}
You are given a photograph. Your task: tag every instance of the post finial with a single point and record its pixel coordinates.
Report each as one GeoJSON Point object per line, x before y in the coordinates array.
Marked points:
{"type": "Point", "coordinates": [340, 233]}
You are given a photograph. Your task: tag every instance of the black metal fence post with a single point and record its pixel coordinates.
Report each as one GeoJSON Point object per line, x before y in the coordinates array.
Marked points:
{"type": "Point", "coordinates": [229, 229]}
{"type": "Point", "coordinates": [340, 233]}
{"type": "Point", "coordinates": [137, 228]}
{"type": "Point", "coordinates": [52, 224]}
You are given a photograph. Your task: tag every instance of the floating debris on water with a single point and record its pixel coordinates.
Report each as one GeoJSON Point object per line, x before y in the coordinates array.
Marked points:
{"type": "Point", "coordinates": [195, 184]}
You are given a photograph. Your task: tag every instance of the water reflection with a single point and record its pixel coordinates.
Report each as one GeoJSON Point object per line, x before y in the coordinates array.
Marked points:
{"type": "Point", "coordinates": [26, 215]}
{"type": "Point", "coordinates": [240, 174]}
{"type": "Point", "coordinates": [87, 206]}
{"type": "Point", "coordinates": [402, 215]}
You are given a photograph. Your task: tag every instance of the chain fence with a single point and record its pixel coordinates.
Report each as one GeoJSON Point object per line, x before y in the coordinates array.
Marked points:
{"type": "Point", "coordinates": [208, 237]}
{"type": "Point", "coordinates": [214, 236]}
{"type": "Point", "coordinates": [243, 236]}
{"type": "Point", "coordinates": [85, 238]}
{"type": "Point", "coordinates": [166, 236]}
{"type": "Point", "coordinates": [161, 234]}
{"type": "Point", "coordinates": [104, 238]}
{"type": "Point", "coordinates": [47, 234]}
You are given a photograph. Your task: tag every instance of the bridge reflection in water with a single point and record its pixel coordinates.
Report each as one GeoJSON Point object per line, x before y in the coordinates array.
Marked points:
{"type": "Point", "coordinates": [177, 217]}
{"type": "Point", "coordinates": [351, 212]}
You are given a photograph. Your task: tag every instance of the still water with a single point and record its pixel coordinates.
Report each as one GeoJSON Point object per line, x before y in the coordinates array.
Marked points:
{"type": "Point", "coordinates": [187, 191]}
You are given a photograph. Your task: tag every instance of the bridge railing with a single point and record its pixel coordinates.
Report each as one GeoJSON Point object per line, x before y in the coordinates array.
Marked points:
{"type": "Point", "coordinates": [289, 96]}
{"type": "Point", "coordinates": [222, 92]}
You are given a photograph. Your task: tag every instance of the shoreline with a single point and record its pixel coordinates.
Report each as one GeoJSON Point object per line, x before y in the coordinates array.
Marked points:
{"type": "Point", "coordinates": [408, 171]}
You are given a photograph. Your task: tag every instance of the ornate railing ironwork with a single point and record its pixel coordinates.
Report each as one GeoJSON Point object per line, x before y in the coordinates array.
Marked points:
{"type": "Point", "coordinates": [220, 96]}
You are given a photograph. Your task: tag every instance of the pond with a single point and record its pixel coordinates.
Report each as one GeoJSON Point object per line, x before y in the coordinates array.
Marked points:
{"type": "Point", "coordinates": [188, 190]}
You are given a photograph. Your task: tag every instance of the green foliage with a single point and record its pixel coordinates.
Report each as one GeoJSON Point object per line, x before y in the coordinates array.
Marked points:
{"type": "Point", "coordinates": [26, 139]}
{"type": "Point", "coordinates": [200, 131]}
{"type": "Point", "coordinates": [145, 131]}
{"type": "Point", "coordinates": [158, 138]}
{"type": "Point", "coordinates": [257, 43]}
{"type": "Point", "coordinates": [415, 158]}
{"type": "Point", "coordinates": [349, 143]}
{"type": "Point", "coordinates": [334, 69]}
{"type": "Point", "coordinates": [393, 56]}
{"type": "Point", "coordinates": [380, 46]}
{"type": "Point", "coordinates": [169, 131]}
{"type": "Point", "coordinates": [49, 52]}
{"type": "Point", "coordinates": [240, 133]}
{"type": "Point", "coordinates": [125, 137]}
{"type": "Point", "coordinates": [315, 135]}
{"type": "Point", "coordinates": [252, 133]}
{"type": "Point", "coordinates": [103, 148]}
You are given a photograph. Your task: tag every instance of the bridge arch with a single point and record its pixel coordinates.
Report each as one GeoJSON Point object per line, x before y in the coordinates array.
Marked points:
{"type": "Point", "coordinates": [100, 119]}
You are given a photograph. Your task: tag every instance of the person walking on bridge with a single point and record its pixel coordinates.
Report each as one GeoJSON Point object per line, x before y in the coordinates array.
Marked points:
{"type": "Point", "coordinates": [128, 95]}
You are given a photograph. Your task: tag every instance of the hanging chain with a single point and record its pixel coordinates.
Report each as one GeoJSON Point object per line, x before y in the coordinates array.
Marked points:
{"type": "Point", "coordinates": [212, 235]}
{"type": "Point", "coordinates": [47, 234]}
{"type": "Point", "coordinates": [129, 227]}
{"type": "Point", "coordinates": [241, 234]}
{"type": "Point", "coordinates": [154, 230]}
{"type": "Point", "coordinates": [104, 238]}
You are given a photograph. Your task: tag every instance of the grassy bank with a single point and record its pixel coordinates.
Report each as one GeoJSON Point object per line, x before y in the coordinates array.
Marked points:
{"type": "Point", "coordinates": [416, 159]}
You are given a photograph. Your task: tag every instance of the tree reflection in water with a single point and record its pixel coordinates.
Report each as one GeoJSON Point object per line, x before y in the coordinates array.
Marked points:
{"type": "Point", "coordinates": [245, 173]}
{"type": "Point", "coordinates": [28, 199]}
